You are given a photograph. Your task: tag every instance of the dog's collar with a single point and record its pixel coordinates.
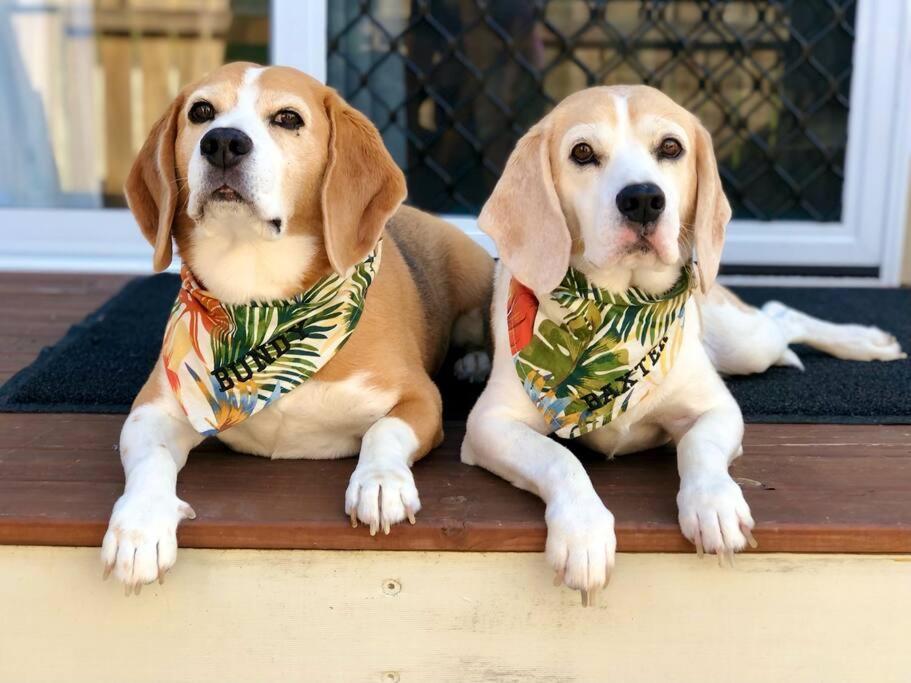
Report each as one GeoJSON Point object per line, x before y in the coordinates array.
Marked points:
{"type": "Point", "coordinates": [603, 354]}
{"type": "Point", "coordinates": [225, 362]}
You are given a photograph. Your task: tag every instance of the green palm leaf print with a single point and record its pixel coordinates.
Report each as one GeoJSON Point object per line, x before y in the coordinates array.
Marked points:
{"type": "Point", "coordinates": [575, 363]}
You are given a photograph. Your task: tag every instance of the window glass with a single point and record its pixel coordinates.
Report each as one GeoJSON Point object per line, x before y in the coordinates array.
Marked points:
{"type": "Point", "coordinates": [82, 82]}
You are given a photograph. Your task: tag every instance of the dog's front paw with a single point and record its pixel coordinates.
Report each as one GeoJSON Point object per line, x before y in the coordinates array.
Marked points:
{"type": "Point", "coordinates": [381, 495]}
{"type": "Point", "coordinates": [714, 515]}
{"type": "Point", "coordinates": [141, 541]}
{"type": "Point", "coordinates": [581, 544]}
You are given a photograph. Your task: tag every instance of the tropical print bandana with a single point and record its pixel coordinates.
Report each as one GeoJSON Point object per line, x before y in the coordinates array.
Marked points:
{"type": "Point", "coordinates": [595, 354]}
{"type": "Point", "coordinates": [226, 362]}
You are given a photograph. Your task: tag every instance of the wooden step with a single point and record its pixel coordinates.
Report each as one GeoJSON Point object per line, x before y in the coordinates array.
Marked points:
{"type": "Point", "coordinates": [812, 488]}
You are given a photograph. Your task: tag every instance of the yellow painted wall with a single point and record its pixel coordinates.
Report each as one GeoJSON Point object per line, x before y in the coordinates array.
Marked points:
{"type": "Point", "coordinates": [462, 617]}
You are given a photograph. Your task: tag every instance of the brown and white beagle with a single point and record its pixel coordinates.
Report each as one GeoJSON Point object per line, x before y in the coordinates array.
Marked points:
{"type": "Point", "coordinates": [267, 181]}
{"type": "Point", "coordinates": [621, 185]}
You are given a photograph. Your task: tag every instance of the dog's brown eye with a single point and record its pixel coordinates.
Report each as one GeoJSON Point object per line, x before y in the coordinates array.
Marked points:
{"type": "Point", "coordinates": [583, 153]}
{"type": "Point", "coordinates": [670, 148]}
{"type": "Point", "coordinates": [288, 118]}
{"type": "Point", "coordinates": [201, 112]}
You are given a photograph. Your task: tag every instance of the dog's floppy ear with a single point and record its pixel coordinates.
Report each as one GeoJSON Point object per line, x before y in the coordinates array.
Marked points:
{"type": "Point", "coordinates": [712, 210]}
{"type": "Point", "coordinates": [362, 186]}
{"type": "Point", "coordinates": [524, 218]}
{"type": "Point", "coordinates": [151, 186]}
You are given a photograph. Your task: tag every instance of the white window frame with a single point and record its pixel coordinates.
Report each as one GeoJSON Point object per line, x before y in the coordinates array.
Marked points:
{"type": "Point", "coordinates": [870, 233]}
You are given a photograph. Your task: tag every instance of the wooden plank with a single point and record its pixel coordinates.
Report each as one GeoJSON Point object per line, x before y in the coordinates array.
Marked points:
{"type": "Point", "coordinates": [38, 308]}
{"type": "Point", "coordinates": [116, 57]}
{"type": "Point", "coordinates": [811, 488]}
{"type": "Point", "coordinates": [64, 283]}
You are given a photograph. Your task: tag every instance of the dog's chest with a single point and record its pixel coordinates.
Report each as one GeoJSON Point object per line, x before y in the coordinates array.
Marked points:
{"type": "Point", "coordinates": [316, 420]}
{"type": "Point", "coordinates": [625, 436]}
{"type": "Point", "coordinates": [687, 390]}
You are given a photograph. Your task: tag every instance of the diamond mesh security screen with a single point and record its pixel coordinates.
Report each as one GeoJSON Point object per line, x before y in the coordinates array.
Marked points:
{"type": "Point", "coordinates": [452, 84]}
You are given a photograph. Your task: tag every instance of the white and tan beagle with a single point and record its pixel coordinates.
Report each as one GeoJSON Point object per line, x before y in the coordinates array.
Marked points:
{"type": "Point", "coordinates": [620, 184]}
{"type": "Point", "coordinates": [268, 182]}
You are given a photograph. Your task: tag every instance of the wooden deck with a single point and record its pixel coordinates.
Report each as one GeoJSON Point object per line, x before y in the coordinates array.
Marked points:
{"type": "Point", "coordinates": [812, 488]}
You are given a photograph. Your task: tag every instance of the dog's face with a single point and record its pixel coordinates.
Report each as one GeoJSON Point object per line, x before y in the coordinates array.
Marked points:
{"type": "Point", "coordinates": [613, 177]}
{"type": "Point", "coordinates": [253, 143]}
{"type": "Point", "coordinates": [251, 155]}
{"type": "Point", "coordinates": [623, 175]}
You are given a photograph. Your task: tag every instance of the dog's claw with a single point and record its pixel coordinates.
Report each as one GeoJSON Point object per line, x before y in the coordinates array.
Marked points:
{"type": "Point", "coordinates": [558, 578]}
{"type": "Point", "coordinates": [749, 536]}
{"type": "Point", "coordinates": [593, 597]}
{"type": "Point", "coordinates": [108, 568]}
{"type": "Point", "coordinates": [584, 598]}
{"type": "Point", "coordinates": [379, 498]}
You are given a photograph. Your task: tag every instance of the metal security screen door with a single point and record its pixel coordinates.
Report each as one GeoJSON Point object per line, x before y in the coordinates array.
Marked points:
{"type": "Point", "coordinates": [804, 100]}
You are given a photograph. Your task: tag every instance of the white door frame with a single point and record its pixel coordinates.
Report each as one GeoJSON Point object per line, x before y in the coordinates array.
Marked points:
{"type": "Point", "coordinates": [873, 216]}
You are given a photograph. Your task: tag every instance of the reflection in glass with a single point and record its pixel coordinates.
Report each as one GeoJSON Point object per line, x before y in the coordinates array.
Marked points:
{"type": "Point", "coordinates": [83, 81]}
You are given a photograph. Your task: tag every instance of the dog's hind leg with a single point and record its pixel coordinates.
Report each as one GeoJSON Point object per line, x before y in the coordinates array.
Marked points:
{"type": "Point", "coordinates": [741, 339]}
{"type": "Point", "coordinates": [849, 342]}
{"type": "Point", "coordinates": [470, 334]}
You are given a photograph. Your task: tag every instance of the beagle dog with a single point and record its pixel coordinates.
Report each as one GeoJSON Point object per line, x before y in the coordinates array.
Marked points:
{"type": "Point", "coordinates": [276, 190]}
{"type": "Point", "coordinates": [605, 329]}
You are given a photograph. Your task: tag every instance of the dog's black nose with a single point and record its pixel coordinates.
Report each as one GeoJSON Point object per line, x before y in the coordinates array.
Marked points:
{"type": "Point", "coordinates": [225, 147]}
{"type": "Point", "coordinates": [641, 203]}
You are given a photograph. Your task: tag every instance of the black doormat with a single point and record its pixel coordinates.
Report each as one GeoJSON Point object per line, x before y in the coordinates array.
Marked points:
{"type": "Point", "coordinates": [101, 363]}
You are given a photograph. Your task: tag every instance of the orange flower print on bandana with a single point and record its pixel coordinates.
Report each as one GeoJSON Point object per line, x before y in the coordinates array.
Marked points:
{"type": "Point", "coordinates": [521, 309]}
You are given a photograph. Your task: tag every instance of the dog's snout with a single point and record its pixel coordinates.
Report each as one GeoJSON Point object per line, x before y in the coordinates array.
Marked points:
{"type": "Point", "coordinates": [225, 147]}
{"type": "Point", "coordinates": [641, 203]}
